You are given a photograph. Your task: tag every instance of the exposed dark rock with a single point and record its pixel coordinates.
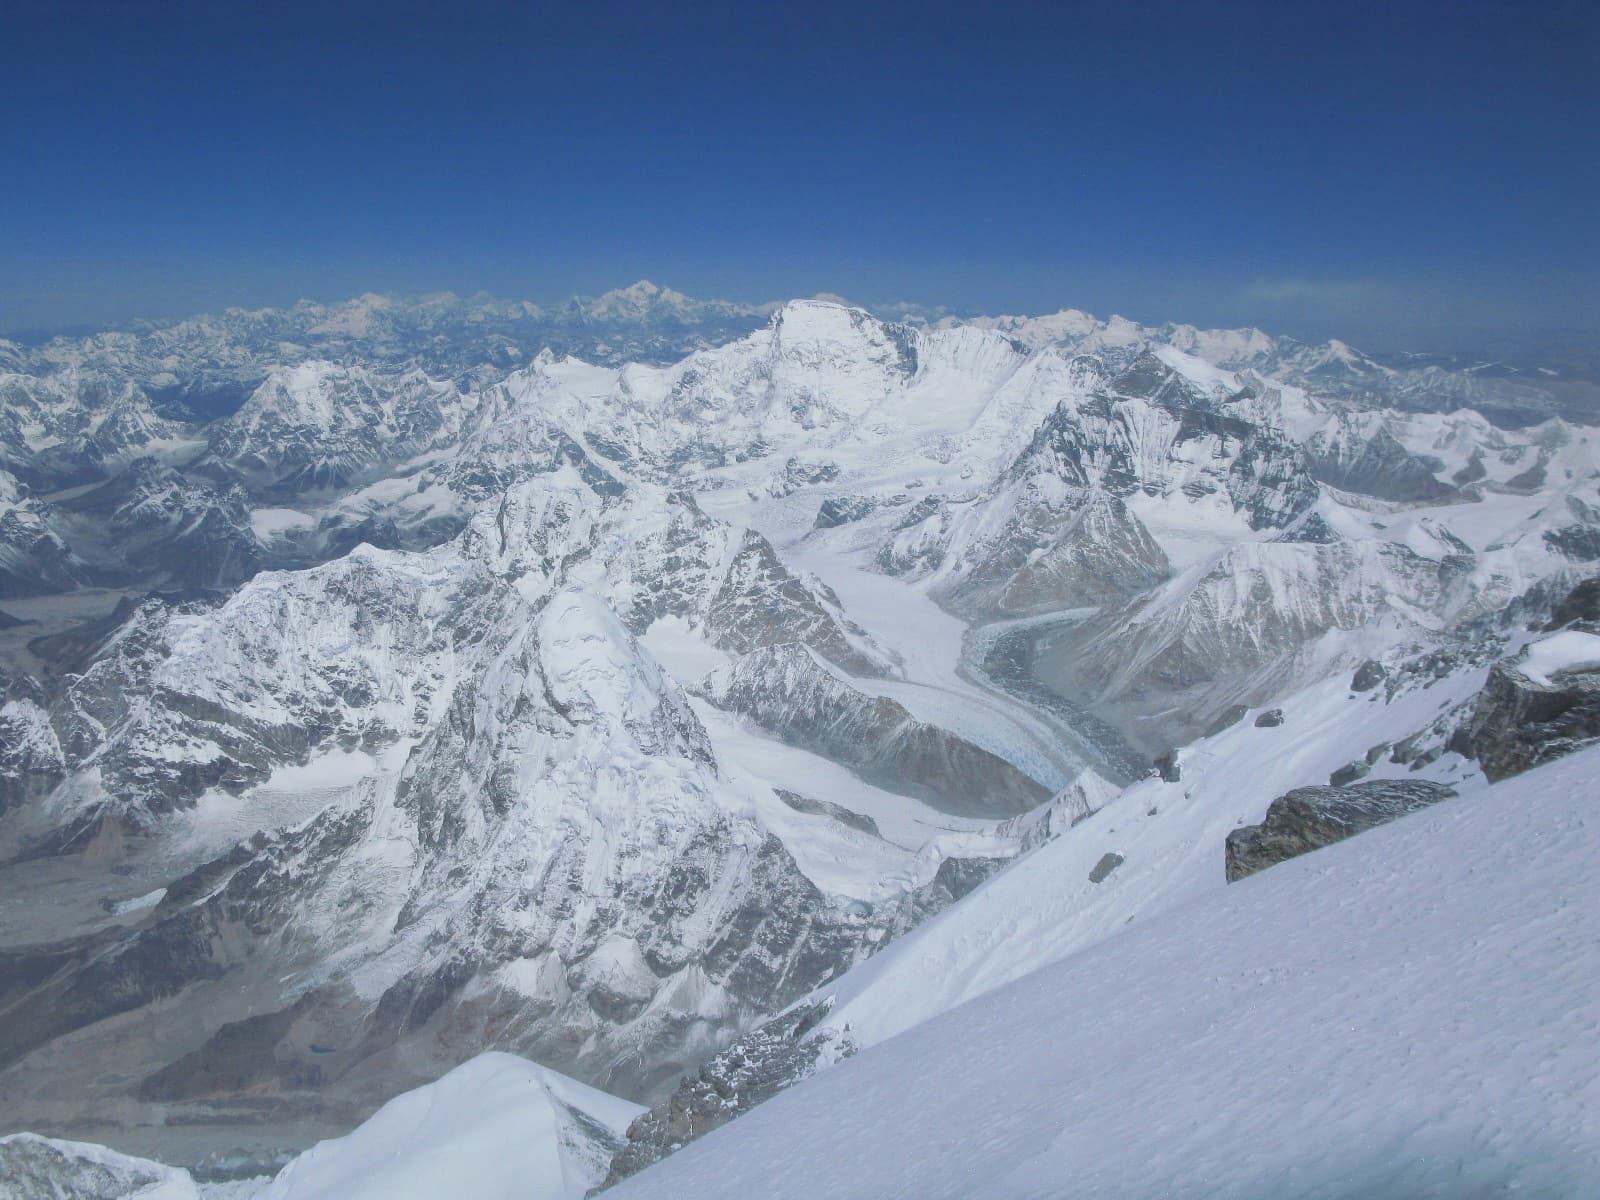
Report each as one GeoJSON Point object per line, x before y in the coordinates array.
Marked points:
{"type": "Point", "coordinates": [1349, 773]}
{"type": "Point", "coordinates": [1376, 466]}
{"type": "Point", "coordinates": [164, 525]}
{"type": "Point", "coordinates": [1108, 863]}
{"type": "Point", "coordinates": [1167, 766]}
{"type": "Point", "coordinates": [1309, 818]}
{"type": "Point", "coordinates": [760, 603]}
{"type": "Point", "coordinates": [1472, 472]}
{"type": "Point", "coordinates": [781, 1052]}
{"type": "Point", "coordinates": [1052, 556]}
{"type": "Point", "coordinates": [239, 1057]}
{"type": "Point", "coordinates": [826, 808]}
{"type": "Point", "coordinates": [34, 560]}
{"type": "Point", "coordinates": [841, 510]}
{"type": "Point", "coordinates": [797, 474]}
{"type": "Point", "coordinates": [1270, 719]}
{"type": "Point", "coordinates": [1229, 718]}
{"type": "Point", "coordinates": [1578, 542]}
{"type": "Point", "coordinates": [1313, 528]}
{"type": "Point", "coordinates": [1530, 480]}
{"type": "Point", "coordinates": [1368, 676]}
{"type": "Point", "coordinates": [1582, 603]}
{"type": "Point", "coordinates": [1518, 722]}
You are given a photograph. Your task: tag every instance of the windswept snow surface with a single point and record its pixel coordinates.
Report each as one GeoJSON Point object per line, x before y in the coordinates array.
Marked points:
{"type": "Point", "coordinates": [1411, 1012]}
{"type": "Point", "coordinates": [496, 1128]}
{"type": "Point", "coordinates": [1569, 650]}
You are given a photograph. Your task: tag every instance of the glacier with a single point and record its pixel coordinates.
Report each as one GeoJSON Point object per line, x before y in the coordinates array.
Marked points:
{"type": "Point", "coordinates": [770, 683]}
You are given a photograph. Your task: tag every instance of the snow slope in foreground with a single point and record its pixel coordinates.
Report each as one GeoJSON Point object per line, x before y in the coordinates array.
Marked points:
{"type": "Point", "coordinates": [496, 1128]}
{"type": "Point", "coordinates": [1412, 1012]}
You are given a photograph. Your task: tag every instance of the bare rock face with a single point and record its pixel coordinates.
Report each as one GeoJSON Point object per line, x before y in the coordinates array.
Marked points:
{"type": "Point", "coordinates": [1374, 463]}
{"type": "Point", "coordinates": [162, 526]}
{"type": "Point", "coordinates": [33, 557]}
{"type": "Point", "coordinates": [1309, 818]}
{"type": "Point", "coordinates": [1582, 603]}
{"type": "Point", "coordinates": [1520, 722]}
{"type": "Point", "coordinates": [1368, 676]}
{"type": "Point", "coordinates": [758, 589]}
{"type": "Point", "coordinates": [1535, 709]}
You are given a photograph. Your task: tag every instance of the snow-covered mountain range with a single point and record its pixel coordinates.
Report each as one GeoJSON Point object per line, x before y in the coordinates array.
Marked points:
{"type": "Point", "coordinates": [689, 697]}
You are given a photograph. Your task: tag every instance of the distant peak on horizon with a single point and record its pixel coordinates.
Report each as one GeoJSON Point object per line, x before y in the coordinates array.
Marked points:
{"type": "Point", "coordinates": [648, 319]}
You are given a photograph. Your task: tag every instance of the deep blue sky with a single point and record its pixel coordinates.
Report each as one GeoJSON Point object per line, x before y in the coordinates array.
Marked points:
{"type": "Point", "coordinates": [1387, 172]}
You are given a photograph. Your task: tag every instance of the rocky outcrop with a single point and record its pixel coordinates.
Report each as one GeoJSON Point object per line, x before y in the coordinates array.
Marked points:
{"type": "Point", "coordinates": [34, 559]}
{"type": "Point", "coordinates": [1108, 863]}
{"type": "Point", "coordinates": [1519, 722]}
{"type": "Point", "coordinates": [842, 510]}
{"type": "Point", "coordinates": [1309, 818]}
{"type": "Point", "coordinates": [1056, 553]}
{"type": "Point", "coordinates": [1582, 603]}
{"type": "Point", "coordinates": [1368, 676]}
{"type": "Point", "coordinates": [761, 603]}
{"type": "Point", "coordinates": [754, 1069]}
{"type": "Point", "coordinates": [826, 808]}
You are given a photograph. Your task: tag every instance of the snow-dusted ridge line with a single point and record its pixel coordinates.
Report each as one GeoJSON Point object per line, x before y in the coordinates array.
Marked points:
{"type": "Point", "coordinates": [496, 587]}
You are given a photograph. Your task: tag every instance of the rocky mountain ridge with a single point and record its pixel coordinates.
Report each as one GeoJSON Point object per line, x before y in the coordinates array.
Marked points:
{"type": "Point", "coordinates": [601, 712]}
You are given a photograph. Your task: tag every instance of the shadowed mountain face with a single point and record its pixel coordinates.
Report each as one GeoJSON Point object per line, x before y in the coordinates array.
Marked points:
{"type": "Point", "coordinates": [455, 692]}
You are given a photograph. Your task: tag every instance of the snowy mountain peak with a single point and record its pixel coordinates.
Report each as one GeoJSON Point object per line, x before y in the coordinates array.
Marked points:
{"type": "Point", "coordinates": [824, 323]}
{"type": "Point", "coordinates": [495, 1128]}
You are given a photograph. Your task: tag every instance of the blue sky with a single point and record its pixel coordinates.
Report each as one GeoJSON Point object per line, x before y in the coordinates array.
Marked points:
{"type": "Point", "coordinates": [1388, 172]}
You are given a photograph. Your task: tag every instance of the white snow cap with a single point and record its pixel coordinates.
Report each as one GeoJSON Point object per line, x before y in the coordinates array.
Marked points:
{"type": "Point", "coordinates": [1569, 650]}
{"type": "Point", "coordinates": [496, 1128]}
